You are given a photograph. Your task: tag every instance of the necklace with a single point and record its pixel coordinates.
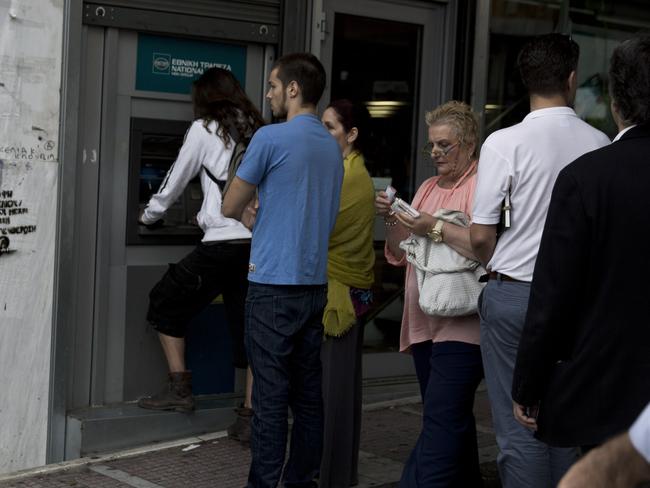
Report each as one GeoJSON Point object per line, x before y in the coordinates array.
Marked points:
{"type": "Point", "coordinates": [458, 184]}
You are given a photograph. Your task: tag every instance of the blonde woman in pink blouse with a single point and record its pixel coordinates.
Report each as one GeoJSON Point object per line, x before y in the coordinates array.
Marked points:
{"type": "Point", "coordinates": [445, 350]}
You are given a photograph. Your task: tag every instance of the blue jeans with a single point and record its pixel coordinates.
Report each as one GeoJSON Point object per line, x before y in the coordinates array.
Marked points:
{"type": "Point", "coordinates": [523, 461]}
{"type": "Point", "coordinates": [284, 333]}
{"type": "Point", "coordinates": [446, 453]}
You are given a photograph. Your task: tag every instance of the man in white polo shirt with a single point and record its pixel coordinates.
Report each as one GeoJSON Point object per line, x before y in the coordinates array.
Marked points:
{"type": "Point", "coordinates": [524, 160]}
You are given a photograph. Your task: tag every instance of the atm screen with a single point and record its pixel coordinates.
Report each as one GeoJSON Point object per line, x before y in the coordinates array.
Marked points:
{"type": "Point", "coordinates": [156, 157]}
{"type": "Point", "coordinates": [154, 148]}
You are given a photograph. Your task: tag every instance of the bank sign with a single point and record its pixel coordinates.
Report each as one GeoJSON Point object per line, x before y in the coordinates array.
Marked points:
{"type": "Point", "coordinates": [168, 64]}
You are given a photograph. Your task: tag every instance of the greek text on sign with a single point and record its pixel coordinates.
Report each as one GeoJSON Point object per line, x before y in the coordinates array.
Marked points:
{"type": "Point", "coordinates": [170, 64]}
{"type": "Point", "coordinates": [165, 64]}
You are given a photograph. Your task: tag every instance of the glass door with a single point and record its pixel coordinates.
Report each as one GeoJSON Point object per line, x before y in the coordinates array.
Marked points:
{"type": "Point", "coordinates": [392, 58]}
{"type": "Point", "coordinates": [375, 61]}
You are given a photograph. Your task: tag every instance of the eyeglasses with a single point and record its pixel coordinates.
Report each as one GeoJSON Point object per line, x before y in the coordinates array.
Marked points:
{"type": "Point", "coordinates": [435, 150]}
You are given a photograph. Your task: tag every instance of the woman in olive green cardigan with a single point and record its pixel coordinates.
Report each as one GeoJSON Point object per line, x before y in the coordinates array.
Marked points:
{"type": "Point", "coordinates": [350, 267]}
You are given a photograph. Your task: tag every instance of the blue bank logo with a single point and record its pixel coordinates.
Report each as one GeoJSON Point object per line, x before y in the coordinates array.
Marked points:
{"type": "Point", "coordinates": [161, 64]}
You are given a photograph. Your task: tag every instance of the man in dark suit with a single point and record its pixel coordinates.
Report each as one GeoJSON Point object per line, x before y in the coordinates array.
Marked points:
{"type": "Point", "coordinates": [583, 365]}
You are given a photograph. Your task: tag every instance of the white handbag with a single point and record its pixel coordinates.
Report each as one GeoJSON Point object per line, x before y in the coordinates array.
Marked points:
{"type": "Point", "coordinates": [447, 282]}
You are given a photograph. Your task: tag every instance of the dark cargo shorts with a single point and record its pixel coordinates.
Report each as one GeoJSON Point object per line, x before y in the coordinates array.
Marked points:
{"type": "Point", "coordinates": [219, 268]}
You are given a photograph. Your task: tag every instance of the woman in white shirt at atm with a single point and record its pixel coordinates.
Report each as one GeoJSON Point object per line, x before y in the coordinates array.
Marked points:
{"type": "Point", "coordinates": [219, 264]}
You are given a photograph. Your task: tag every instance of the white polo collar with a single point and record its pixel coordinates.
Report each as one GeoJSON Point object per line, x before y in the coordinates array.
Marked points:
{"type": "Point", "coordinates": [543, 112]}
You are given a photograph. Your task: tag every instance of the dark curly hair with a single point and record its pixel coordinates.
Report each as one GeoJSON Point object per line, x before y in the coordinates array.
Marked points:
{"type": "Point", "coordinates": [545, 63]}
{"type": "Point", "coordinates": [351, 114]}
{"type": "Point", "coordinates": [218, 96]}
{"type": "Point", "coordinates": [629, 79]}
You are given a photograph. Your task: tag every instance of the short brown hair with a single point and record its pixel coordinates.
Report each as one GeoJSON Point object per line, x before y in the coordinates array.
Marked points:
{"type": "Point", "coordinates": [461, 118]}
{"type": "Point", "coordinates": [545, 63]}
{"type": "Point", "coordinates": [307, 71]}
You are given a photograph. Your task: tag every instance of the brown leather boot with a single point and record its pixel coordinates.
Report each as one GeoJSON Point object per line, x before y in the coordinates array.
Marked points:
{"type": "Point", "coordinates": [177, 395]}
{"type": "Point", "coordinates": [240, 429]}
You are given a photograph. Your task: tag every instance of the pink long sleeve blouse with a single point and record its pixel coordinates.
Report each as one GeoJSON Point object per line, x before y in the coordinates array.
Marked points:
{"type": "Point", "coordinates": [416, 325]}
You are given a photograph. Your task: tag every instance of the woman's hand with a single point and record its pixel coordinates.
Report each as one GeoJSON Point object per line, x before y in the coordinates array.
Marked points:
{"type": "Point", "coordinates": [382, 204]}
{"type": "Point", "coordinates": [418, 225]}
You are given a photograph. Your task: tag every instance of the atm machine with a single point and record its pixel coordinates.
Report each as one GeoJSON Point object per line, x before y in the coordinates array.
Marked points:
{"type": "Point", "coordinates": [153, 147]}
{"type": "Point", "coordinates": [155, 73]}
{"type": "Point", "coordinates": [134, 110]}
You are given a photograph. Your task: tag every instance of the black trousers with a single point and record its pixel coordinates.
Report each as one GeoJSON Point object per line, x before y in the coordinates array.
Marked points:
{"type": "Point", "coordinates": [210, 270]}
{"type": "Point", "coordinates": [342, 395]}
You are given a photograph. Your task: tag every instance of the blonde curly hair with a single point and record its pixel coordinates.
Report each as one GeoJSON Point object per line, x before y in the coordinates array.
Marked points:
{"type": "Point", "coordinates": [461, 118]}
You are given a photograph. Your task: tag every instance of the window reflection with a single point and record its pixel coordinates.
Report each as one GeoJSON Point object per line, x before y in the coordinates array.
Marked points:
{"type": "Point", "coordinates": [598, 26]}
{"type": "Point", "coordinates": [375, 62]}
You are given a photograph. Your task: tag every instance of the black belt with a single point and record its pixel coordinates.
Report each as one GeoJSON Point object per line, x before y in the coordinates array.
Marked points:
{"type": "Point", "coordinates": [231, 241]}
{"type": "Point", "coordinates": [494, 275]}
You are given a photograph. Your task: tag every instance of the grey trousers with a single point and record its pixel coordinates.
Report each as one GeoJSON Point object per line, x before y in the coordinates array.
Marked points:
{"type": "Point", "coordinates": [523, 461]}
{"type": "Point", "coordinates": [341, 358]}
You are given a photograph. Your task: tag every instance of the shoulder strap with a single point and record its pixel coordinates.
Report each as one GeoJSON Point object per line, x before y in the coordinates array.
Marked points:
{"type": "Point", "coordinates": [220, 183]}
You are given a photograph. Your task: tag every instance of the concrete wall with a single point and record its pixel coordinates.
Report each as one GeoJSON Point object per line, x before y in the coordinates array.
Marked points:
{"type": "Point", "coordinates": [30, 81]}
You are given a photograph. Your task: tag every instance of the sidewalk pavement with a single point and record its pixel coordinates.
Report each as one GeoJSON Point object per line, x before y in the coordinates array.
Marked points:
{"type": "Point", "coordinates": [389, 431]}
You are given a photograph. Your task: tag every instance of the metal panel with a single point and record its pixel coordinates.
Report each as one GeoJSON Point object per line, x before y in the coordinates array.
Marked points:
{"type": "Point", "coordinates": [481, 59]}
{"type": "Point", "coordinates": [434, 65]}
{"type": "Point", "coordinates": [105, 308]}
{"type": "Point", "coordinates": [143, 357]}
{"type": "Point", "coordinates": [87, 174]}
{"type": "Point", "coordinates": [177, 23]}
{"type": "Point", "coordinates": [259, 11]}
{"type": "Point", "coordinates": [95, 430]}
{"type": "Point", "coordinates": [269, 59]}
{"type": "Point", "coordinates": [465, 24]}
{"type": "Point", "coordinates": [255, 74]}
{"type": "Point", "coordinates": [64, 284]}
{"type": "Point", "coordinates": [254, 85]}
{"type": "Point", "coordinates": [297, 14]}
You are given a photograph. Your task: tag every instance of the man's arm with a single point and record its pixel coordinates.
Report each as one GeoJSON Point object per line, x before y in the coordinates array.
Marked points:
{"type": "Point", "coordinates": [484, 240]}
{"type": "Point", "coordinates": [239, 195]}
{"type": "Point", "coordinates": [615, 464]}
{"type": "Point", "coordinates": [494, 173]}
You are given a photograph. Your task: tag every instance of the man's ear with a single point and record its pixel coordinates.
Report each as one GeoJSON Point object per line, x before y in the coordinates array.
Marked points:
{"type": "Point", "coordinates": [573, 78]}
{"type": "Point", "coordinates": [616, 115]}
{"type": "Point", "coordinates": [352, 135]}
{"type": "Point", "coordinates": [572, 82]}
{"type": "Point", "coordinates": [293, 90]}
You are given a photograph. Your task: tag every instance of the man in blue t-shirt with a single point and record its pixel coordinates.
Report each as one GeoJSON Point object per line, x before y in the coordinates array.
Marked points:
{"type": "Point", "coordinates": [297, 169]}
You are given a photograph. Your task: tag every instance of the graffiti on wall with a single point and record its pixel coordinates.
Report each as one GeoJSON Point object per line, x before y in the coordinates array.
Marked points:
{"type": "Point", "coordinates": [11, 210]}
{"type": "Point", "coordinates": [31, 40]}
{"type": "Point", "coordinates": [29, 117]}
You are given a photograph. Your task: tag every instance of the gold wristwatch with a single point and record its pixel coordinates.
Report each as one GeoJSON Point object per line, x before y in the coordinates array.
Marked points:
{"type": "Point", "coordinates": [435, 234]}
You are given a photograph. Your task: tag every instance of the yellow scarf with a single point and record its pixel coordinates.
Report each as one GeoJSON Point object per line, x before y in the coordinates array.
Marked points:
{"type": "Point", "coordinates": [351, 257]}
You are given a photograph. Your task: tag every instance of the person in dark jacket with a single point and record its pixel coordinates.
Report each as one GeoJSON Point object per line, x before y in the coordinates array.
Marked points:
{"type": "Point", "coordinates": [583, 366]}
